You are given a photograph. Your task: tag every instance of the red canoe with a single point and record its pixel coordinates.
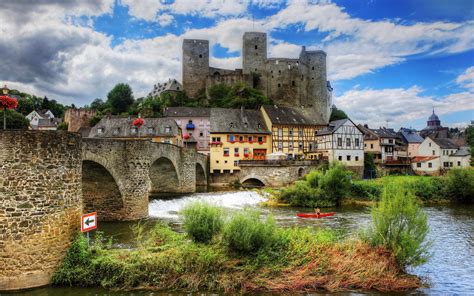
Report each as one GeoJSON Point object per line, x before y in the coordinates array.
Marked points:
{"type": "Point", "coordinates": [314, 215]}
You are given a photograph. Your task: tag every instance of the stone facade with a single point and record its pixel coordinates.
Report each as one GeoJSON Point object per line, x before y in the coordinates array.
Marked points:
{"type": "Point", "coordinates": [126, 171]}
{"type": "Point", "coordinates": [270, 173]}
{"type": "Point", "coordinates": [40, 194]}
{"type": "Point", "coordinates": [300, 82]}
{"type": "Point", "coordinates": [77, 118]}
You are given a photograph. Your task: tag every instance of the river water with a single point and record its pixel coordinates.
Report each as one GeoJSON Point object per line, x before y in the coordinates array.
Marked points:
{"type": "Point", "coordinates": [449, 271]}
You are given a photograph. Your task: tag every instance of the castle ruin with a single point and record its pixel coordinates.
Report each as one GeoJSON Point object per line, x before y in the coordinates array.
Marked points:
{"type": "Point", "coordinates": [300, 82]}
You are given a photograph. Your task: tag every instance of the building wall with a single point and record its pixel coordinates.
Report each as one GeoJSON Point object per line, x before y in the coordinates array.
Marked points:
{"type": "Point", "coordinates": [429, 148]}
{"type": "Point", "coordinates": [40, 206]}
{"type": "Point", "coordinates": [372, 146]}
{"type": "Point", "coordinates": [413, 149]}
{"type": "Point", "coordinates": [77, 118]}
{"type": "Point", "coordinates": [202, 125]}
{"type": "Point", "coordinates": [425, 168]}
{"type": "Point", "coordinates": [195, 65]}
{"type": "Point", "coordinates": [460, 161]}
{"type": "Point", "coordinates": [221, 163]}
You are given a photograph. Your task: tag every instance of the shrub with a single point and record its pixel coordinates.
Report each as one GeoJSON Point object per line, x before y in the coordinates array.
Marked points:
{"type": "Point", "coordinates": [336, 183]}
{"type": "Point", "coordinates": [460, 185]}
{"type": "Point", "coordinates": [202, 221]}
{"type": "Point", "coordinates": [400, 225]}
{"type": "Point", "coordinates": [369, 189]}
{"type": "Point", "coordinates": [245, 233]}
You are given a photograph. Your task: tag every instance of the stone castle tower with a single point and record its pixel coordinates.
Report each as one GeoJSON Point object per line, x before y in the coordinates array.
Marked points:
{"type": "Point", "coordinates": [288, 82]}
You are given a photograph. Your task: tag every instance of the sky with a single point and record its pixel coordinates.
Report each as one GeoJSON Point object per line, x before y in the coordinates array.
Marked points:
{"type": "Point", "coordinates": [390, 62]}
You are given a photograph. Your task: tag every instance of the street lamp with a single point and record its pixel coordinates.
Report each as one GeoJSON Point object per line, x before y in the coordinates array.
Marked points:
{"type": "Point", "coordinates": [6, 102]}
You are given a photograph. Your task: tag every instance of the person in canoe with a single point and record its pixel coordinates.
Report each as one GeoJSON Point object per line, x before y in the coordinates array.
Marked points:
{"type": "Point", "coordinates": [317, 211]}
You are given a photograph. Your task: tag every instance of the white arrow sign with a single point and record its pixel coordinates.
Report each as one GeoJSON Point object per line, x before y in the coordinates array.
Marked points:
{"type": "Point", "coordinates": [88, 222]}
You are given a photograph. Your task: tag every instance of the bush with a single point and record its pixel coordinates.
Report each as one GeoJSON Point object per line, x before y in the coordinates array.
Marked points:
{"type": "Point", "coordinates": [460, 185]}
{"type": "Point", "coordinates": [364, 189]}
{"type": "Point", "coordinates": [400, 225]}
{"type": "Point", "coordinates": [319, 189]}
{"type": "Point", "coordinates": [202, 221]}
{"type": "Point", "coordinates": [245, 233]}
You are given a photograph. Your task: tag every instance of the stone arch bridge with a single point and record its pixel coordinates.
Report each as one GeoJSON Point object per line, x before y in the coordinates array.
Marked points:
{"type": "Point", "coordinates": [118, 175]}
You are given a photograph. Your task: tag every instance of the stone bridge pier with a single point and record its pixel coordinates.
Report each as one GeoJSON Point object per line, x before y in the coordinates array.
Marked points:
{"type": "Point", "coordinates": [119, 175]}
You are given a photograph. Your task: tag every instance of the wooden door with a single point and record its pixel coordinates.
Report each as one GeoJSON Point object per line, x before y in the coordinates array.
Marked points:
{"type": "Point", "coordinates": [259, 154]}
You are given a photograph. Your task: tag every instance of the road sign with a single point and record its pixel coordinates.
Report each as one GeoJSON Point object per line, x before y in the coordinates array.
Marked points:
{"type": "Point", "coordinates": [88, 222]}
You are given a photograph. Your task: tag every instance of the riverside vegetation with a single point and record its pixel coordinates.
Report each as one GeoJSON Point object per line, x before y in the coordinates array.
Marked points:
{"type": "Point", "coordinates": [244, 253]}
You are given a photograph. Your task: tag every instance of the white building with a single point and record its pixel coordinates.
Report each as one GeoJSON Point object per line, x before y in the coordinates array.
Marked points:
{"type": "Point", "coordinates": [436, 156]}
{"type": "Point", "coordinates": [342, 141]}
{"type": "Point", "coordinates": [42, 120]}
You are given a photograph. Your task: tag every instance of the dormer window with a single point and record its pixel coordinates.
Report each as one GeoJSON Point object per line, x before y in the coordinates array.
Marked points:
{"type": "Point", "coordinates": [246, 124]}
{"type": "Point", "coordinates": [256, 46]}
{"type": "Point", "coordinates": [134, 130]}
{"type": "Point", "coordinates": [167, 129]}
{"type": "Point", "coordinates": [150, 130]}
{"type": "Point", "coordinates": [259, 125]}
{"type": "Point", "coordinates": [231, 125]}
{"type": "Point", "coordinates": [116, 131]}
{"type": "Point", "coordinates": [100, 130]}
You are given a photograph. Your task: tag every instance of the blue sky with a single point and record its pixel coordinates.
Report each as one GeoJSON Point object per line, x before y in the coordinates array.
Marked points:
{"type": "Point", "coordinates": [388, 61]}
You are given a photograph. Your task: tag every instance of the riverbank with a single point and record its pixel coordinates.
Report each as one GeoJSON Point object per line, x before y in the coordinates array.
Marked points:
{"type": "Point", "coordinates": [305, 260]}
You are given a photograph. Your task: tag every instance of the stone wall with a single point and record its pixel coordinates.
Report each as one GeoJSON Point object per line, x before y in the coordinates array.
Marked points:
{"type": "Point", "coordinates": [77, 118]}
{"type": "Point", "coordinates": [40, 194]}
{"type": "Point", "coordinates": [270, 174]}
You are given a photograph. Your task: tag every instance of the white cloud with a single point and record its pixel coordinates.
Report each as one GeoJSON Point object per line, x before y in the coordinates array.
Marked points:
{"type": "Point", "coordinates": [165, 19]}
{"type": "Point", "coordinates": [466, 79]}
{"type": "Point", "coordinates": [399, 105]}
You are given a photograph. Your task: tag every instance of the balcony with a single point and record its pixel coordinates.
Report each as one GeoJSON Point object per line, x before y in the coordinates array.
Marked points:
{"type": "Point", "coordinates": [190, 126]}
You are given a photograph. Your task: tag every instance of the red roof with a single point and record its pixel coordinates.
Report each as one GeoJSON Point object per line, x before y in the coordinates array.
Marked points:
{"type": "Point", "coordinates": [423, 158]}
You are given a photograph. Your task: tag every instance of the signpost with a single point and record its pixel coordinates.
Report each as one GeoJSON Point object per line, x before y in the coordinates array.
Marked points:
{"type": "Point", "coordinates": [88, 223]}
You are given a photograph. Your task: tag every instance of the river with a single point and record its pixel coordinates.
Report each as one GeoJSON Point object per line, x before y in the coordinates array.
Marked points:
{"type": "Point", "coordinates": [449, 271]}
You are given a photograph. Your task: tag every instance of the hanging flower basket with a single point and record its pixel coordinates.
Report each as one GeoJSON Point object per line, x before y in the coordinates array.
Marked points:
{"type": "Point", "coordinates": [246, 155]}
{"type": "Point", "coordinates": [138, 122]}
{"type": "Point", "coordinates": [186, 136]}
{"type": "Point", "coordinates": [8, 103]}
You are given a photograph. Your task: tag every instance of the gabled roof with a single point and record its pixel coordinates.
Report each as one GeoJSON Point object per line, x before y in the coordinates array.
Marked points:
{"type": "Point", "coordinates": [289, 116]}
{"type": "Point", "coordinates": [237, 121]}
{"type": "Point", "coordinates": [187, 112]}
{"type": "Point", "coordinates": [463, 151]}
{"type": "Point", "coordinates": [410, 136]}
{"type": "Point", "coordinates": [445, 143]}
{"type": "Point", "coordinates": [368, 133]}
{"type": "Point", "coordinates": [385, 132]}
{"type": "Point", "coordinates": [118, 127]}
{"type": "Point", "coordinates": [423, 158]}
{"type": "Point", "coordinates": [335, 125]}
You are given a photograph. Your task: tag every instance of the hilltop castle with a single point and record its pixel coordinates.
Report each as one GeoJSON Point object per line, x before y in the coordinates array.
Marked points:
{"type": "Point", "coordinates": [288, 82]}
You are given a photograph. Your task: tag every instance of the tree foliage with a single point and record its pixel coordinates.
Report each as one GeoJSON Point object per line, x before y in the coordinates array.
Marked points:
{"type": "Point", "coordinates": [120, 98]}
{"type": "Point", "coordinates": [239, 95]}
{"type": "Point", "coordinates": [337, 114]}
{"type": "Point", "coordinates": [15, 120]}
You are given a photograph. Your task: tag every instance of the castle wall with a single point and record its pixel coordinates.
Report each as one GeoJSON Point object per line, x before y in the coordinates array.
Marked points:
{"type": "Point", "coordinates": [195, 65]}
{"type": "Point", "coordinates": [77, 118]}
{"type": "Point", "coordinates": [40, 194]}
{"type": "Point", "coordinates": [254, 52]}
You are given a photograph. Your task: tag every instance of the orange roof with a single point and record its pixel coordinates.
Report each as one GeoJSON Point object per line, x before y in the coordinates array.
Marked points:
{"type": "Point", "coordinates": [423, 158]}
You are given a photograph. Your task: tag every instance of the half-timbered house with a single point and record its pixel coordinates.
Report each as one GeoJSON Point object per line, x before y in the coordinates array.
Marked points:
{"type": "Point", "coordinates": [292, 133]}
{"type": "Point", "coordinates": [342, 141]}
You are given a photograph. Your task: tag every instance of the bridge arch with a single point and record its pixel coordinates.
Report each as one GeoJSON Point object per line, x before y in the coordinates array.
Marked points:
{"type": "Point", "coordinates": [252, 181]}
{"type": "Point", "coordinates": [101, 192]}
{"type": "Point", "coordinates": [201, 177]}
{"type": "Point", "coordinates": [164, 176]}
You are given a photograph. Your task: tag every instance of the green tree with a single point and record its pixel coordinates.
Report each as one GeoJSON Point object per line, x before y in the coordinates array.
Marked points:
{"type": "Point", "coordinates": [16, 120]}
{"type": "Point", "coordinates": [99, 105]}
{"type": "Point", "coordinates": [26, 105]}
{"type": "Point", "coordinates": [460, 185]}
{"type": "Point", "coordinates": [469, 134]}
{"type": "Point", "coordinates": [370, 170]}
{"type": "Point", "coordinates": [337, 114]}
{"type": "Point", "coordinates": [62, 126]}
{"type": "Point", "coordinates": [239, 95]}
{"type": "Point", "coordinates": [120, 98]}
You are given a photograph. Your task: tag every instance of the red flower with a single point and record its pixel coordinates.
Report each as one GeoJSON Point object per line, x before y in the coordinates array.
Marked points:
{"type": "Point", "coordinates": [138, 122]}
{"type": "Point", "coordinates": [7, 102]}
{"type": "Point", "coordinates": [246, 155]}
{"type": "Point", "coordinates": [236, 154]}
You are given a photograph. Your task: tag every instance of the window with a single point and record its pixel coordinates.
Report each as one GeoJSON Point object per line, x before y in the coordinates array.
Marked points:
{"type": "Point", "coordinates": [365, 145]}
{"type": "Point", "coordinates": [429, 144]}
{"type": "Point", "coordinates": [150, 130]}
{"type": "Point", "coordinates": [167, 129]}
{"type": "Point", "coordinates": [280, 146]}
{"type": "Point", "coordinates": [201, 134]}
{"type": "Point", "coordinates": [372, 146]}
{"type": "Point", "coordinates": [450, 164]}
{"type": "Point", "coordinates": [236, 163]}
{"type": "Point", "coordinates": [246, 151]}
{"type": "Point", "coordinates": [430, 165]}
{"type": "Point", "coordinates": [300, 132]}
{"type": "Point", "coordinates": [241, 138]}
{"type": "Point", "coordinates": [390, 141]}
{"type": "Point", "coordinates": [216, 139]}
{"type": "Point", "coordinates": [300, 145]}
{"type": "Point", "coordinates": [446, 164]}
{"type": "Point", "coordinates": [116, 131]}
{"type": "Point", "coordinates": [290, 132]}
{"type": "Point", "coordinates": [339, 142]}
{"type": "Point", "coordinates": [236, 151]}
{"type": "Point", "coordinates": [260, 139]}
{"type": "Point", "coordinates": [339, 158]}
{"type": "Point", "coordinates": [259, 125]}
{"type": "Point", "coordinates": [190, 121]}
{"type": "Point", "coordinates": [348, 142]}
{"type": "Point", "coordinates": [280, 132]}
{"type": "Point", "coordinates": [433, 152]}
{"type": "Point", "coordinates": [356, 142]}
{"type": "Point", "coordinates": [226, 151]}
{"type": "Point", "coordinates": [100, 130]}
{"type": "Point", "coordinates": [250, 139]}
{"type": "Point", "coordinates": [418, 165]}
{"type": "Point", "coordinates": [293, 83]}
{"type": "Point", "coordinates": [256, 47]}
{"type": "Point", "coordinates": [279, 84]}
{"type": "Point", "coordinates": [290, 145]}
{"type": "Point", "coordinates": [217, 161]}
{"type": "Point", "coordinates": [348, 158]}
{"type": "Point", "coordinates": [231, 138]}
{"type": "Point", "coordinates": [459, 163]}
{"type": "Point", "coordinates": [357, 158]}
{"type": "Point", "coordinates": [200, 56]}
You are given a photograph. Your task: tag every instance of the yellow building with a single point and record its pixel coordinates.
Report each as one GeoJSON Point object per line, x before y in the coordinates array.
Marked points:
{"type": "Point", "coordinates": [292, 133]}
{"type": "Point", "coordinates": [162, 130]}
{"type": "Point", "coordinates": [237, 134]}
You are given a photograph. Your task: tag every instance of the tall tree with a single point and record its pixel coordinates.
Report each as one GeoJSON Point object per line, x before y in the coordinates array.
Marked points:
{"type": "Point", "coordinates": [120, 98]}
{"type": "Point", "coordinates": [337, 114]}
